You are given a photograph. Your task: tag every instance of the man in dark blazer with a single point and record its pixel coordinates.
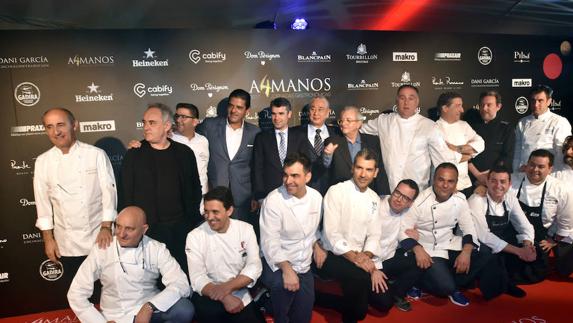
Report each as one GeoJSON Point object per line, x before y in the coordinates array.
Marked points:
{"type": "Point", "coordinates": [271, 148]}
{"type": "Point", "coordinates": [231, 151]}
{"type": "Point", "coordinates": [161, 177]}
{"type": "Point", "coordinates": [316, 132]}
{"type": "Point", "coordinates": [339, 151]}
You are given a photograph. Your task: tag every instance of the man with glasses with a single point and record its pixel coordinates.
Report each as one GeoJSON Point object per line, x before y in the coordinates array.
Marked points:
{"type": "Point", "coordinates": [129, 272]}
{"type": "Point", "coordinates": [340, 151]}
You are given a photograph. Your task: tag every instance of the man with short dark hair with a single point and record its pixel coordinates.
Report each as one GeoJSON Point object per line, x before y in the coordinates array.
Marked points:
{"type": "Point", "coordinates": [230, 159]}
{"type": "Point", "coordinates": [290, 217]}
{"type": "Point", "coordinates": [129, 272]}
{"type": "Point", "coordinates": [223, 257]}
{"type": "Point", "coordinates": [542, 129]}
{"type": "Point", "coordinates": [501, 227]}
{"type": "Point", "coordinates": [161, 177]}
{"type": "Point", "coordinates": [548, 205]}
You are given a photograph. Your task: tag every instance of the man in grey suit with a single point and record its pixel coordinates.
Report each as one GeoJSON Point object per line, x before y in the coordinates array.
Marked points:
{"type": "Point", "coordinates": [231, 152]}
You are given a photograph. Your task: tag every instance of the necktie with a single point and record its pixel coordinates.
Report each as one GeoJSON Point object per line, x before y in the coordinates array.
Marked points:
{"type": "Point", "coordinates": [318, 144]}
{"type": "Point", "coordinates": [282, 147]}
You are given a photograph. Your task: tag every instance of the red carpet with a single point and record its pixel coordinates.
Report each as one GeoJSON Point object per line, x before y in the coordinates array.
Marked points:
{"type": "Point", "coordinates": [550, 301]}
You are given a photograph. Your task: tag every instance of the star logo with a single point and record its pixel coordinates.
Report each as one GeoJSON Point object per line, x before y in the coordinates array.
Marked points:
{"type": "Point", "coordinates": [149, 53]}
{"type": "Point", "coordinates": [93, 88]}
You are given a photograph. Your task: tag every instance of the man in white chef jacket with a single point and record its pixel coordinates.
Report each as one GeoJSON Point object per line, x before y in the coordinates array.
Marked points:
{"type": "Point", "coordinates": [459, 136]}
{"type": "Point", "coordinates": [129, 271]}
{"type": "Point", "coordinates": [548, 205]}
{"type": "Point", "coordinates": [223, 259]}
{"type": "Point", "coordinates": [75, 194]}
{"type": "Point", "coordinates": [290, 216]}
{"type": "Point", "coordinates": [410, 142]}
{"type": "Point", "coordinates": [502, 229]}
{"type": "Point", "coordinates": [542, 129]}
{"type": "Point", "coordinates": [565, 171]}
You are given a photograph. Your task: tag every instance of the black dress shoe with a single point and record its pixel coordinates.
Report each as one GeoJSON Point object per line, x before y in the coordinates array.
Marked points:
{"type": "Point", "coordinates": [515, 291]}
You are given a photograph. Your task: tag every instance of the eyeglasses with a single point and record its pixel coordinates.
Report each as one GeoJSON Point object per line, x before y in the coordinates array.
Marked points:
{"type": "Point", "coordinates": [177, 116]}
{"type": "Point", "coordinates": [400, 196]}
{"type": "Point", "coordinates": [347, 120]}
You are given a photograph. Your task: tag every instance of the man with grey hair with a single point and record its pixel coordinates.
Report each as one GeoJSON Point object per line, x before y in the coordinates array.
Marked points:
{"type": "Point", "coordinates": [161, 178]}
{"type": "Point", "coordinates": [340, 151]}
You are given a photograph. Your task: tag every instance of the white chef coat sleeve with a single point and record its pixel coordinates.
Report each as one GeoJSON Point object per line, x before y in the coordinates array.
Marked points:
{"type": "Point", "coordinates": [476, 141]}
{"type": "Point", "coordinates": [173, 278]}
{"type": "Point", "coordinates": [439, 150]}
{"type": "Point", "coordinates": [478, 210]}
{"type": "Point", "coordinates": [195, 247]}
{"type": "Point", "coordinates": [270, 224]}
{"type": "Point", "coordinates": [374, 234]}
{"type": "Point", "coordinates": [45, 220]}
{"type": "Point", "coordinates": [564, 219]}
{"type": "Point", "coordinates": [370, 127]}
{"type": "Point", "coordinates": [82, 287]}
{"type": "Point", "coordinates": [521, 224]}
{"type": "Point", "coordinates": [331, 222]}
{"type": "Point", "coordinates": [253, 267]}
{"type": "Point", "coordinates": [107, 186]}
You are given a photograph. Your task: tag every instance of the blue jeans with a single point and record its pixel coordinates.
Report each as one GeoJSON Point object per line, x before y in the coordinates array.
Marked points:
{"type": "Point", "coordinates": [181, 312]}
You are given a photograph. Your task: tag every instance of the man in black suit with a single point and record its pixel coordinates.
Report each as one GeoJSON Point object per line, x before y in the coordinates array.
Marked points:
{"type": "Point", "coordinates": [339, 151]}
{"type": "Point", "coordinates": [271, 148]}
{"type": "Point", "coordinates": [316, 133]}
{"type": "Point", "coordinates": [231, 152]}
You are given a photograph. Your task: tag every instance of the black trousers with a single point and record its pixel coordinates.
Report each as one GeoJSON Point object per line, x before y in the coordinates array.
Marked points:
{"type": "Point", "coordinates": [564, 254]}
{"type": "Point", "coordinates": [522, 272]}
{"type": "Point", "coordinates": [174, 235]}
{"type": "Point", "coordinates": [210, 311]}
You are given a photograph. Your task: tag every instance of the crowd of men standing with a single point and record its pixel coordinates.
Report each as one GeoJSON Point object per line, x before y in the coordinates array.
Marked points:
{"type": "Point", "coordinates": [389, 208]}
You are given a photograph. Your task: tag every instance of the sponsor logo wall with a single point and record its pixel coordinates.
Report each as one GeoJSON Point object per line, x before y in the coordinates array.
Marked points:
{"type": "Point", "coordinates": [107, 78]}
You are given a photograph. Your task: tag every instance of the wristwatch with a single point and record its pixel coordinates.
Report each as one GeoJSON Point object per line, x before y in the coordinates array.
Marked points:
{"type": "Point", "coordinates": [150, 306]}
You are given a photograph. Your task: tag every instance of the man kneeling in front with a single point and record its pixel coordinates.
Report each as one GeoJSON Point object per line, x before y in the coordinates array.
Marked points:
{"type": "Point", "coordinates": [129, 271]}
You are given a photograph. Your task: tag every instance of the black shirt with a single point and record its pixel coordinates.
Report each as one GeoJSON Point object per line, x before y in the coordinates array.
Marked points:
{"type": "Point", "coordinates": [499, 140]}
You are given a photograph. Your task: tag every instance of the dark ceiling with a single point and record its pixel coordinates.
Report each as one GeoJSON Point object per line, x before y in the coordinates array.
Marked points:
{"type": "Point", "coordinates": [549, 17]}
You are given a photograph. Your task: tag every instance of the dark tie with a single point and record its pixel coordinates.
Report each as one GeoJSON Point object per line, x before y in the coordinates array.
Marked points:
{"type": "Point", "coordinates": [282, 147]}
{"type": "Point", "coordinates": [318, 144]}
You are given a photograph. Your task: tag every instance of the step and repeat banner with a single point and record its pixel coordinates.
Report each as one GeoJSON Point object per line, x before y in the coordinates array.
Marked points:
{"type": "Point", "coordinates": [107, 78]}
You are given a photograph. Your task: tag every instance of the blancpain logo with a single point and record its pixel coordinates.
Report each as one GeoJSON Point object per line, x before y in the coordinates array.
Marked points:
{"type": "Point", "coordinates": [521, 82]}
{"type": "Point", "coordinates": [196, 56]}
{"type": "Point", "coordinates": [150, 60]}
{"type": "Point", "coordinates": [314, 58]}
{"type": "Point", "coordinates": [27, 94]}
{"type": "Point", "coordinates": [97, 126]}
{"type": "Point", "coordinates": [105, 60]}
{"type": "Point", "coordinates": [24, 62]}
{"type": "Point", "coordinates": [521, 57]}
{"type": "Point", "coordinates": [29, 130]}
{"type": "Point", "coordinates": [521, 105]}
{"type": "Point", "coordinates": [140, 89]}
{"type": "Point", "coordinates": [405, 56]}
{"type": "Point", "coordinates": [448, 57]}
{"type": "Point", "coordinates": [261, 55]}
{"type": "Point", "coordinates": [209, 88]}
{"type": "Point", "coordinates": [484, 82]}
{"type": "Point", "coordinates": [362, 85]}
{"type": "Point", "coordinates": [24, 202]}
{"type": "Point", "coordinates": [485, 55]}
{"type": "Point", "coordinates": [362, 56]}
{"type": "Point", "coordinates": [405, 78]}
{"type": "Point", "coordinates": [93, 95]}
{"type": "Point", "coordinates": [446, 83]}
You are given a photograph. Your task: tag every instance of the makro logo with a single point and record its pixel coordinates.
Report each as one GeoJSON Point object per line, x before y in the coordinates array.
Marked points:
{"type": "Point", "coordinates": [97, 126]}
{"type": "Point", "coordinates": [94, 94]}
{"type": "Point", "coordinates": [362, 85]}
{"type": "Point", "coordinates": [24, 62]}
{"type": "Point", "coordinates": [27, 94]}
{"type": "Point", "coordinates": [140, 89]}
{"type": "Point", "coordinates": [314, 58]}
{"type": "Point", "coordinates": [261, 55]}
{"type": "Point", "coordinates": [406, 78]}
{"type": "Point", "coordinates": [521, 82]}
{"type": "Point", "coordinates": [447, 57]}
{"type": "Point", "coordinates": [196, 56]}
{"type": "Point", "coordinates": [484, 82]}
{"type": "Point", "coordinates": [485, 55]}
{"type": "Point", "coordinates": [361, 56]}
{"type": "Point", "coordinates": [105, 60]}
{"type": "Point", "coordinates": [521, 57]}
{"type": "Point", "coordinates": [446, 82]}
{"type": "Point", "coordinates": [29, 130]}
{"type": "Point", "coordinates": [208, 87]}
{"type": "Point", "coordinates": [521, 105]}
{"type": "Point", "coordinates": [51, 271]}
{"type": "Point", "coordinates": [149, 60]}
{"type": "Point", "coordinates": [299, 87]}
{"type": "Point", "coordinates": [28, 238]}
{"type": "Point", "coordinates": [405, 56]}
{"type": "Point", "coordinates": [24, 202]}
